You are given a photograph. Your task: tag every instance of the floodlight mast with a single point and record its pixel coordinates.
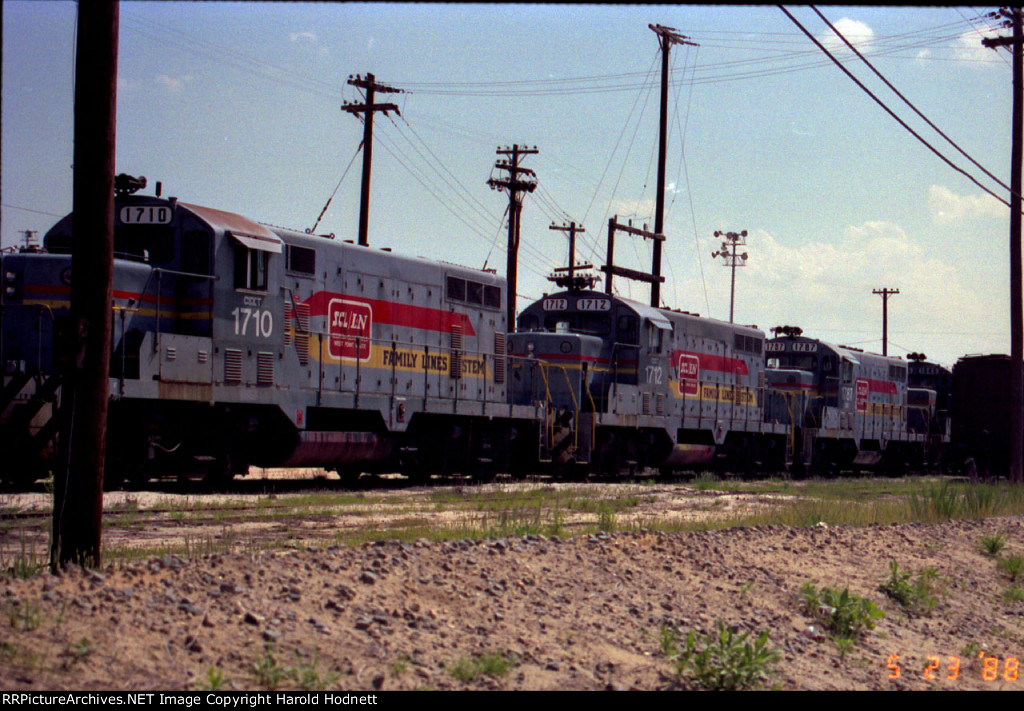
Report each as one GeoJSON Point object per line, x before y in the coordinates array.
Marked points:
{"type": "Point", "coordinates": [732, 259]}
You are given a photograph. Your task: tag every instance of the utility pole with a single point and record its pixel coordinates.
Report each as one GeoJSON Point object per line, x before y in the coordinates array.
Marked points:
{"type": "Point", "coordinates": [732, 259]}
{"type": "Point", "coordinates": [573, 229]}
{"type": "Point", "coordinates": [569, 280]}
{"type": "Point", "coordinates": [1012, 18]}
{"type": "Point", "coordinates": [885, 294]}
{"type": "Point", "coordinates": [611, 270]}
{"type": "Point", "coordinates": [667, 36]}
{"type": "Point", "coordinates": [369, 108]}
{"type": "Point", "coordinates": [515, 186]}
{"type": "Point", "coordinates": [78, 476]}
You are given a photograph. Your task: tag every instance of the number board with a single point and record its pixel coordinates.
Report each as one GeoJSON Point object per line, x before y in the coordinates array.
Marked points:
{"type": "Point", "coordinates": [593, 304]}
{"type": "Point", "coordinates": [146, 215]}
{"type": "Point", "coordinates": [556, 304]}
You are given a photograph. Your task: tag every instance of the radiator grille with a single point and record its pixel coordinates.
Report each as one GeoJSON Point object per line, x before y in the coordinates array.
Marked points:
{"type": "Point", "coordinates": [302, 333]}
{"type": "Point", "coordinates": [264, 368]}
{"type": "Point", "coordinates": [232, 365]}
{"type": "Point", "coordinates": [499, 357]}
{"type": "Point", "coordinates": [456, 359]}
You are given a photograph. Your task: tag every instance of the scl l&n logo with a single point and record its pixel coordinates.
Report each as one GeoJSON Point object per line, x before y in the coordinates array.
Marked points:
{"type": "Point", "coordinates": [348, 323]}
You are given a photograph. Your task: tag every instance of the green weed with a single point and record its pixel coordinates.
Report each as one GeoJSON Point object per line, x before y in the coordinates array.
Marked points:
{"type": "Point", "coordinates": [1013, 567]}
{"type": "Point", "coordinates": [915, 597]}
{"type": "Point", "coordinates": [846, 616]}
{"type": "Point", "coordinates": [215, 680]}
{"type": "Point", "coordinates": [309, 678]}
{"type": "Point", "coordinates": [24, 614]}
{"type": "Point", "coordinates": [492, 664]}
{"type": "Point", "coordinates": [1013, 594]}
{"type": "Point", "coordinates": [721, 661]}
{"type": "Point", "coordinates": [606, 520]}
{"type": "Point", "coordinates": [267, 672]}
{"type": "Point", "coordinates": [993, 545]}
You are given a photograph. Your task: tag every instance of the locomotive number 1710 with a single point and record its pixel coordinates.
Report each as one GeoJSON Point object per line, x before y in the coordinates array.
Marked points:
{"type": "Point", "coordinates": [260, 320]}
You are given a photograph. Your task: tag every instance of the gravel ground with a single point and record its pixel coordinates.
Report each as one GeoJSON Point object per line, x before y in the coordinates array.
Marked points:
{"type": "Point", "coordinates": [517, 613]}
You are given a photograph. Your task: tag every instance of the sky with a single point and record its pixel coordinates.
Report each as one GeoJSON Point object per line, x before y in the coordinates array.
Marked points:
{"type": "Point", "coordinates": [237, 106]}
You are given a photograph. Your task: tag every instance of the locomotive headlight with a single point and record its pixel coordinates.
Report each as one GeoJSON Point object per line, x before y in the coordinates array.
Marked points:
{"type": "Point", "coordinates": [10, 277]}
{"type": "Point", "coordinates": [11, 292]}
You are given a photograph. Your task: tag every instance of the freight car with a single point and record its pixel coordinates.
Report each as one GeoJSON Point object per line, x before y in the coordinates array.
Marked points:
{"type": "Point", "coordinates": [980, 414]}
{"type": "Point", "coordinates": [236, 343]}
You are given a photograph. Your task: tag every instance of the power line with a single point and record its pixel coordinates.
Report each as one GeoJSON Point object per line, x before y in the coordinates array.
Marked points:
{"type": "Point", "coordinates": [889, 111]}
{"type": "Point", "coordinates": [907, 101]}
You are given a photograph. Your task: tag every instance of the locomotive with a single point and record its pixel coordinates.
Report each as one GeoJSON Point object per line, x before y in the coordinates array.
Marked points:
{"type": "Point", "coordinates": [237, 343]}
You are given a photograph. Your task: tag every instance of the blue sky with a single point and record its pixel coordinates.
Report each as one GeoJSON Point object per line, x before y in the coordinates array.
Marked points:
{"type": "Point", "coordinates": [237, 106]}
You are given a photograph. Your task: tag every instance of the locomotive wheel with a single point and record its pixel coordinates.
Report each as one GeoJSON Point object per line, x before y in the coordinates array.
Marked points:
{"type": "Point", "coordinates": [413, 467]}
{"type": "Point", "coordinates": [349, 476]}
{"type": "Point", "coordinates": [220, 471]}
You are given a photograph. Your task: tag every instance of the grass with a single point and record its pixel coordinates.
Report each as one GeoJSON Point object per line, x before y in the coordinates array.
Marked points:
{"type": "Point", "coordinates": [1012, 567]}
{"type": "Point", "coordinates": [492, 664]}
{"type": "Point", "coordinates": [721, 661]}
{"type": "Point", "coordinates": [214, 681]}
{"type": "Point", "coordinates": [270, 675]}
{"type": "Point", "coordinates": [1013, 594]}
{"type": "Point", "coordinates": [24, 614]}
{"type": "Point", "coordinates": [848, 617]}
{"type": "Point", "coordinates": [469, 512]}
{"type": "Point", "coordinates": [917, 597]}
{"type": "Point", "coordinates": [993, 545]}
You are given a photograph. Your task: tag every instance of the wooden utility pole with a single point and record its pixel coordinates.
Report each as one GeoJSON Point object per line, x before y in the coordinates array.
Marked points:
{"type": "Point", "coordinates": [667, 36]}
{"type": "Point", "coordinates": [515, 186]}
{"type": "Point", "coordinates": [573, 229]}
{"type": "Point", "coordinates": [1012, 18]}
{"type": "Point", "coordinates": [611, 270]}
{"type": "Point", "coordinates": [78, 480]}
{"type": "Point", "coordinates": [885, 294]}
{"type": "Point", "coordinates": [369, 108]}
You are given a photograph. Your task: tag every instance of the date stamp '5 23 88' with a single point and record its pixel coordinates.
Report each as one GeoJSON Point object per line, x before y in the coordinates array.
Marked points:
{"type": "Point", "coordinates": [949, 668]}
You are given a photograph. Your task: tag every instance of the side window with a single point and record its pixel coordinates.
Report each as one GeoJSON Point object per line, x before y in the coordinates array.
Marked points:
{"type": "Point", "coordinates": [300, 260]}
{"type": "Point", "coordinates": [627, 330]}
{"type": "Point", "coordinates": [250, 268]}
{"type": "Point", "coordinates": [654, 337]}
{"type": "Point", "coordinates": [492, 296]}
{"type": "Point", "coordinates": [847, 371]}
{"type": "Point", "coordinates": [456, 289]}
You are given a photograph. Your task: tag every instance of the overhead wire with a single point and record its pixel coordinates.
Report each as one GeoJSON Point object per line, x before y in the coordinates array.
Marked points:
{"type": "Point", "coordinates": [908, 103]}
{"type": "Point", "coordinates": [335, 192]}
{"type": "Point", "coordinates": [889, 111]}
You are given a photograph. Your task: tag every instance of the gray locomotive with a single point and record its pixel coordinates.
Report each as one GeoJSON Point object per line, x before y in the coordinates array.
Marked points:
{"type": "Point", "coordinates": [236, 344]}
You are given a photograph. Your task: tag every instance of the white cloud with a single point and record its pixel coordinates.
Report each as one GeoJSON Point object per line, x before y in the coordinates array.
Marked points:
{"type": "Point", "coordinates": [826, 287]}
{"type": "Point", "coordinates": [172, 84]}
{"type": "Point", "coordinates": [946, 206]}
{"type": "Point", "coordinates": [968, 47]}
{"type": "Point", "coordinates": [303, 36]}
{"type": "Point", "coordinates": [858, 33]}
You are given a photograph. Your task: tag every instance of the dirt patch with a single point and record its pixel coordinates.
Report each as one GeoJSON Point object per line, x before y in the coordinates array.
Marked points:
{"type": "Point", "coordinates": [523, 612]}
